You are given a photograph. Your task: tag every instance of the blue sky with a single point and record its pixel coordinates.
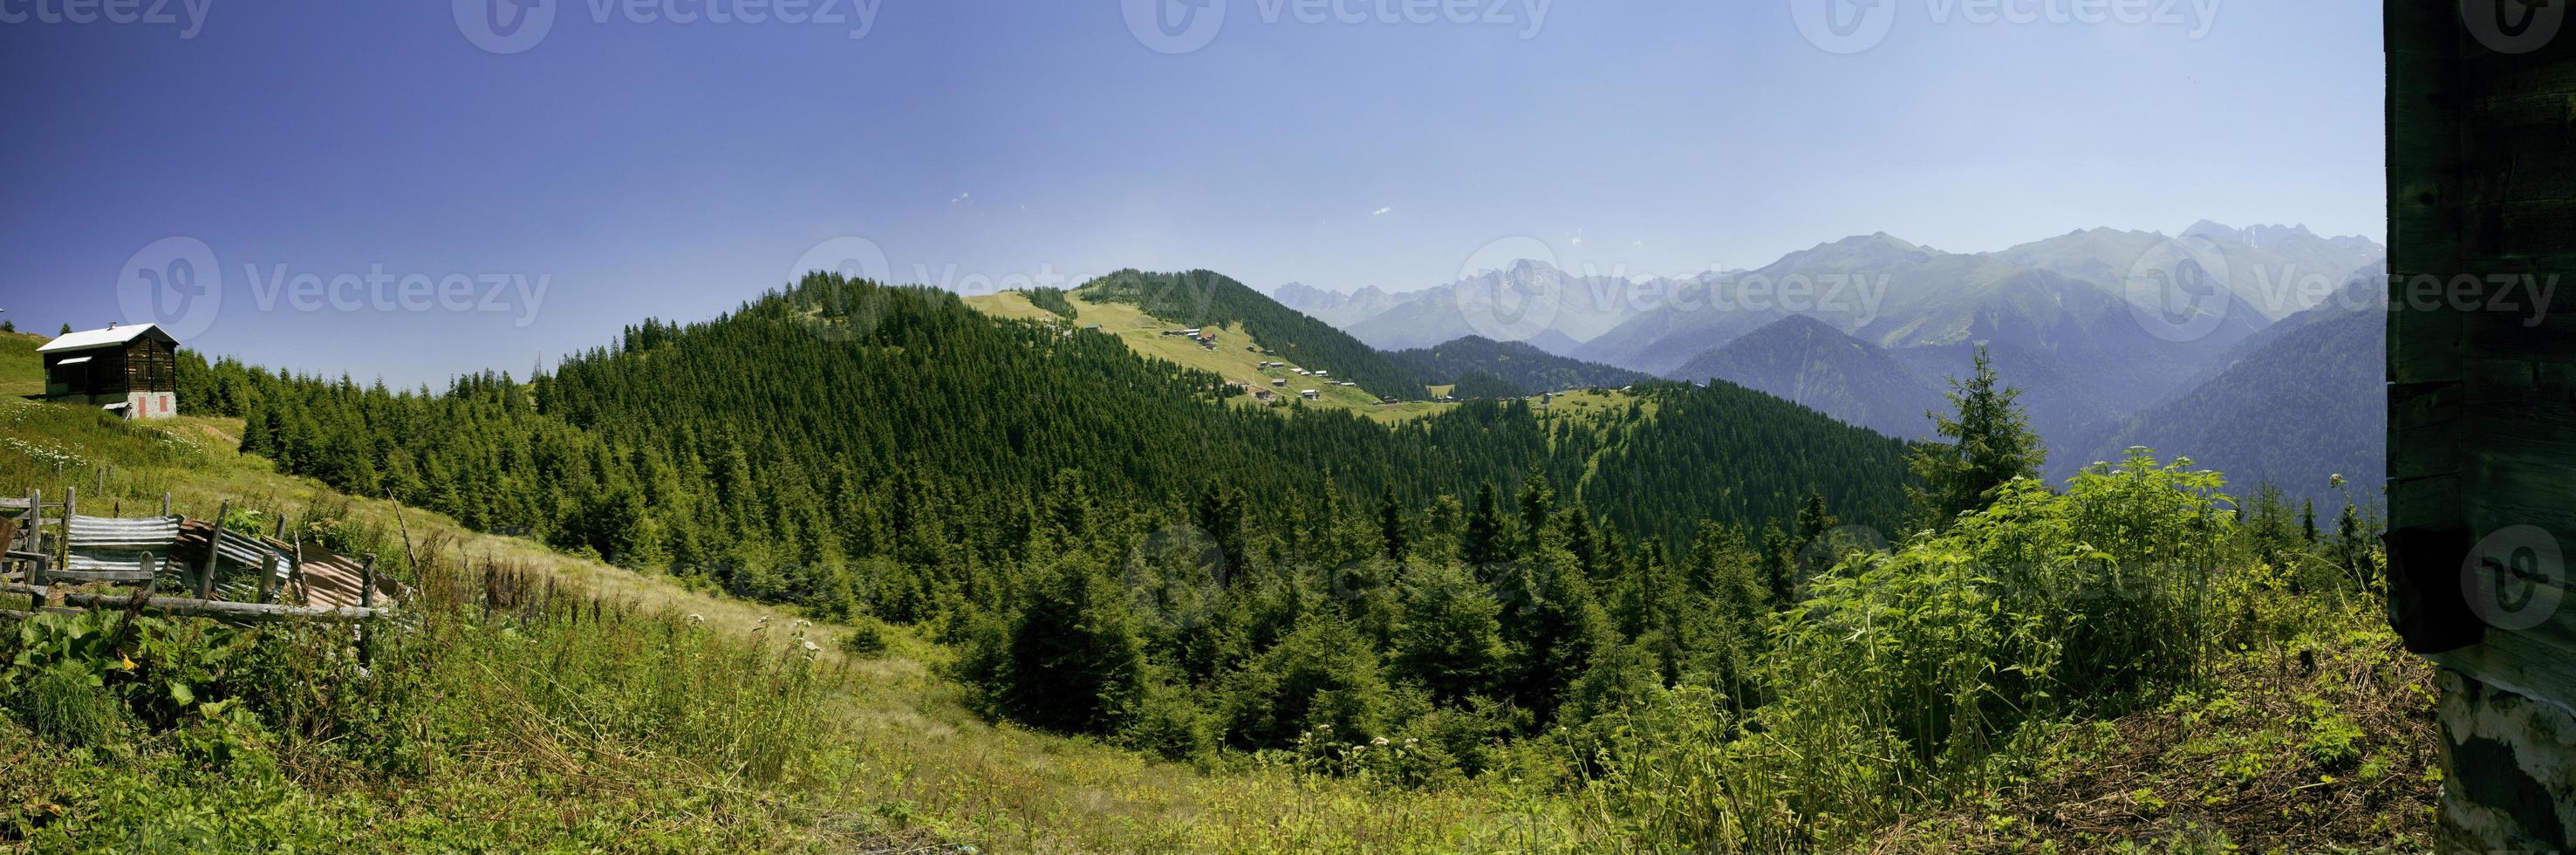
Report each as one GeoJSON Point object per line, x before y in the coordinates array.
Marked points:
{"type": "Point", "coordinates": [634, 166]}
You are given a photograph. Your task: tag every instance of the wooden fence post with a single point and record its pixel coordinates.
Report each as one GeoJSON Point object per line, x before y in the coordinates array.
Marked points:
{"type": "Point", "coordinates": [165, 504]}
{"type": "Point", "coordinates": [367, 600]}
{"type": "Point", "coordinates": [268, 579]}
{"type": "Point", "coordinates": [206, 569]}
{"type": "Point", "coordinates": [71, 505]}
{"type": "Point", "coordinates": [36, 538]}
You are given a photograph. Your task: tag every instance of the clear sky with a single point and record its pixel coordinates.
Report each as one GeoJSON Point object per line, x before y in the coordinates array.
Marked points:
{"type": "Point", "coordinates": [632, 165]}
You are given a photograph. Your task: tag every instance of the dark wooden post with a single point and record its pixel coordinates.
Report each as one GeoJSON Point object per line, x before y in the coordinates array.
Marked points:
{"type": "Point", "coordinates": [268, 579]}
{"type": "Point", "coordinates": [206, 568]}
{"type": "Point", "coordinates": [36, 539]}
{"type": "Point", "coordinates": [367, 600]}
{"type": "Point", "coordinates": [71, 505]}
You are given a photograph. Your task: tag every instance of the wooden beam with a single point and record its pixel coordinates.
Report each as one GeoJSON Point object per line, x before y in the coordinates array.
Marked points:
{"type": "Point", "coordinates": [216, 609]}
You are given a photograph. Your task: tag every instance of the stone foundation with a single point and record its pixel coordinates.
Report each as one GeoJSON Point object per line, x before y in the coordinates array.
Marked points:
{"type": "Point", "coordinates": [2510, 771]}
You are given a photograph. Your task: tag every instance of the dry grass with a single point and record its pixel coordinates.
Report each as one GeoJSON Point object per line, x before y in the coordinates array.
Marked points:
{"type": "Point", "coordinates": [2303, 747]}
{"type": "Point", "coordinates": [1143, 334]}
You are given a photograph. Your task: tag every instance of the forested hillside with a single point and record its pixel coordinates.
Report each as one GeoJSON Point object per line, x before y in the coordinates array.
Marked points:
{"type": "Point", "coordinates": [1201, 298]}
{"type": "Point", "coordinates": [2305, 406]}
{"type": "Point", "coordinates": [892, 452]}
{"type": "Point", "coordinates": [1517, 365]}
{"type": "Point", "coordinates": [1802, 359]}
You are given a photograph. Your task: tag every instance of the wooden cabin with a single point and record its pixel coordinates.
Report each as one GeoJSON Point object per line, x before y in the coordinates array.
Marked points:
{"type": "Point", "coordinates": [2482, 404]}
{"type": "Point", "coordinates": [132, 370]}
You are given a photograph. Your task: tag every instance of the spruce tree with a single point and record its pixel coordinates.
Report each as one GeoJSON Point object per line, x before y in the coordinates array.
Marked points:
{"type": "Point", "coordinates": [1990, 443]}
{"type": "Point", "coordinates": [1390, 523]}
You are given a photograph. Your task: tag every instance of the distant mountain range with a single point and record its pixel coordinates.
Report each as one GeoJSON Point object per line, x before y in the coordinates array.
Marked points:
{"type": "Point", "coordinates": [1807, 361]}
{"type": "Point", "coordinates": [2111, 334]}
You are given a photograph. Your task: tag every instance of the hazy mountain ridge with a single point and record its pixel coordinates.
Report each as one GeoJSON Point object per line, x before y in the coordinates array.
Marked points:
{"type": "Point", "coordinates": [1807, 361]}
{"type": "Point", "coordinates": [2303, 406]}
{"type": "Point", "coordinates": [2080, 322]}
{"type": "Point", "coordinates": [1335, 307]}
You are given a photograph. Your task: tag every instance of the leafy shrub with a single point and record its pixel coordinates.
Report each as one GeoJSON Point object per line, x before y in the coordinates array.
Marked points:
{"type": "Point", "coordinates": [867, 638]}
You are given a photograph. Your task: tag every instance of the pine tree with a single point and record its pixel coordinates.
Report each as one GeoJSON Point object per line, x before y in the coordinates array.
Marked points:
{"type": "Point", "coordinates": [1484, 543]}
{"type": "Point", "coordinates": [1074, 659]}
{"type": "Point", "coordinates": [1990, 443]}
{"type": "Point", "coordinates": [1390, 523]}
{"type": "Point", "coordinates": [1538, 509]}
{"type": "Point", "coordinates": [1451, 638]}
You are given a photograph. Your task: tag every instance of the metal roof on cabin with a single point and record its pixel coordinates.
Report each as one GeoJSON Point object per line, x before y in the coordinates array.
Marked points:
{"type": "Point", "coordinates": [109, 337]}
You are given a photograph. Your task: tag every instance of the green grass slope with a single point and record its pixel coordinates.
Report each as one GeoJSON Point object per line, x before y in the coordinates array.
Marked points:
{"type": "Point", "coordinates": [1200, 298]}
{"type": "Point", "coordinates": [598, 709]}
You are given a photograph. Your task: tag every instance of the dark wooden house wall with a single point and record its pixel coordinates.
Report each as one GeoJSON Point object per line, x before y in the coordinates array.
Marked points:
{"type": "Point", "coordinates": [146, 364]}
{"type": "Point", "coordinates": [2482, 400]}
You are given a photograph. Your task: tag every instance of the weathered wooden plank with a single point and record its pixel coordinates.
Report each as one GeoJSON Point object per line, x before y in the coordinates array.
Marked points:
{"type": "Point", "coordinates": [52, 576]}
{"type": "Point", "coordinates": [2520, 664]}
{"type": "Point", "coordinates": [234, 612]}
